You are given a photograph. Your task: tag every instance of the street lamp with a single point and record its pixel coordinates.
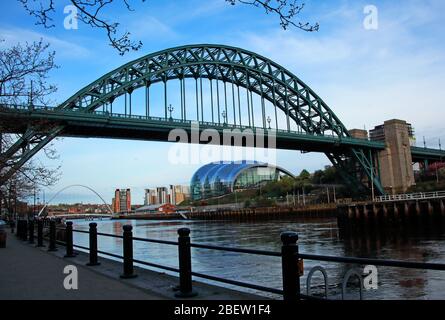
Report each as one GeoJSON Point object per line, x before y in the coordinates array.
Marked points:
{"type": "Point", "coordinates": [224, 114]}
{"type": "Point", "coordinates": [269, 120]}
{"type": "Point", "coordinates": [170, 109]}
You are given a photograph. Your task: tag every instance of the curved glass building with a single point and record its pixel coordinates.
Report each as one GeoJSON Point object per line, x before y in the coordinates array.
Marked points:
{"type": "Point", "coordinates": [220, 178]}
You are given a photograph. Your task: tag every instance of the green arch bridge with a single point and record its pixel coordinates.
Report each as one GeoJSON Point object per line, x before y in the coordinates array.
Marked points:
{"type": "Point", "coordinates": [219, 87]}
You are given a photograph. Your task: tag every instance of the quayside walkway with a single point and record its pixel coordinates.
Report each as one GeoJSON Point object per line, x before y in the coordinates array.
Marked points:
{"type": "Point", "coordinates": [33, 273]}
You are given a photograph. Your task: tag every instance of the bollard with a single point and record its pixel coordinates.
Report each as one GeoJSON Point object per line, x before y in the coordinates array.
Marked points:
{"type": "Point", "coordinates": [291, 277]}
{"type": "Point", "coordinates": [93, 245]}
{"type": "Point", "coordinates": [40, 233]}
{"type": "Point", "coordinates": [24, 235]}
{"type": "Point", "coordinates": [69, 240]}
{"type": "Point", "coordinates": [52, 236]}
{"type": "Point", "coordinates": [185, 265]}
{"type": "Point", "coordinates": [128, 253]}
{"type": "Point", "coordinates": [31, 231]}
{"type": "Point", "coordinates": [12, 225]}
{"type": "Point", "coordinates": [19, 228]}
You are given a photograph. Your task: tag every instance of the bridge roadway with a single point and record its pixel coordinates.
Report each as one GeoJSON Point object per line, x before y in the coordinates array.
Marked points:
{"type": "Point", "coordinates": [35, 274]}
{"type": "Point", "coordinates": [113, 125]}
{"type": "Point", "coordinates": [100, 124]}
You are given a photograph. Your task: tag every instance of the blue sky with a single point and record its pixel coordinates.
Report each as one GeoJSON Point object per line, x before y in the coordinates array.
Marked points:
{"type": "Point", "coordinates": [365, 76]}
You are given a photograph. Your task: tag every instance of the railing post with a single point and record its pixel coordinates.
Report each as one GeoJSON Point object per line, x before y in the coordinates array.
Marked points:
{"type": "Point", "coordinates": [291, 277]}
{"type": "Point", "coordinates": [128, 253]}
{"type": "Point", "coordinates": [19, 229]}
{"type": "Point", "coordinates": [52, 236]}
{"type": "Point", "coordinates": [69, 240]}
{"type": "Point", "coordinates": [24, 235]}
{"type": "Point", "coordinates": [93, 245]}
{"type": "Point", "coordinates": [185, 265]}
{"type": "Point", "coordinates": [31, 231]}
{"type": "Point", "coordinates": [40, 233]}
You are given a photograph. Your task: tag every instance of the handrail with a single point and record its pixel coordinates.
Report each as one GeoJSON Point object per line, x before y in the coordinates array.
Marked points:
{"type": "Point", "coordinates": [156, 241]}
{"type": "Point", "coordinates": [240, 250]}
{"type": "Point", "coordinates": [180, 121]}
{"type": "Point", "coordinates": [411, 196]}
{"type": "Point", "coordinates": [376, 262]}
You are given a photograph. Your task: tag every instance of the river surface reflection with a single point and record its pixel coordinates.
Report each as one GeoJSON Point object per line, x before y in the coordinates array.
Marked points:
{"type": "Point", "coordinates": [320, 236]}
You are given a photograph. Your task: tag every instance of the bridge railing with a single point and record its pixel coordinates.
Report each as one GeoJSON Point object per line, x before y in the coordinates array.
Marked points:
{"type": "Point", "coordinates": [411, 196]}
{"type": "Point", "coordinates": [292, 261]}
{"type": "Point", "coordinates": [332, 136]}
{"type": "Point", "coordinates": [23, 106]}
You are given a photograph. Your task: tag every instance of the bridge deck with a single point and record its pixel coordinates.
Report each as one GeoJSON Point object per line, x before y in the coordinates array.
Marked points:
{"type": "Point", "coordinates": [420, 154]}
{"type": "Point", "coordinates": [105, 125]}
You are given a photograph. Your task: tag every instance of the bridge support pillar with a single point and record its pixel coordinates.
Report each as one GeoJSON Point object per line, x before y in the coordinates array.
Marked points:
{"type": "Point", "coordinates": [396, 211]}
{"type": "Point", "coordinates": [396, 170]}
{"type": "Point", "coordinates": [418, 211]}
{"type": "Point", "coordinates": [406, 209]}
{"type": "Point", "coordinates": [430, 208]}
{"type": "Point", "coordinates": [365, 212]}
{"type": "Point", "coordinates": [350, 213]}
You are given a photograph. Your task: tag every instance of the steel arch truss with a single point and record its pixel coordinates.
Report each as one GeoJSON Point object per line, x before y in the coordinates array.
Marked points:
{"type": "Point", "coordinates": [228, 64]}
{"type": "Point", "coordinates": [232, 65]}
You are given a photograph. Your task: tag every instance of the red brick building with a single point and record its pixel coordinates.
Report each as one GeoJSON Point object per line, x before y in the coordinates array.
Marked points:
{"type": "Point", "coordinates": [122, 200]}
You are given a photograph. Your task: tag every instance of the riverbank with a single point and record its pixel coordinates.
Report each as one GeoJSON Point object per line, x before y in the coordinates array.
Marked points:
{"type": "Point", "coordinates": [313, 211]}
{"type": "Point", "coordinates": [35, 274]}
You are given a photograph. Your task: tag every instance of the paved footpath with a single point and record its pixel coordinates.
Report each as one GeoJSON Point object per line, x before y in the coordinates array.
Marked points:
{"type": "Point", "coordinates": [30, 273]}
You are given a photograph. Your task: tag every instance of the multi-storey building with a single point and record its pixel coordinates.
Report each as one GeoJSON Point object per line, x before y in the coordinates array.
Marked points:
{"type": "Point", "coordinates": [175, 194]}
{"type": "Point", "coordinates": [122, 200]}
{"type": "Point", "coordinates": [150, 197]}
{"type": "Point", "coordinates": [179, 193]}
{"type": "Point", "coordinates": [162, 195]}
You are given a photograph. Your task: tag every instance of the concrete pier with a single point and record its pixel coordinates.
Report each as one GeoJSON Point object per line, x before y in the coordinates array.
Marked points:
{"type": "Point", "coordinates": [311, 211]}
{"type": "Point", "coordinates": [395, 213]}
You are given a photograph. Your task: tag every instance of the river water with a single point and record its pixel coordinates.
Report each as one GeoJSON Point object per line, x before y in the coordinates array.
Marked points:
{"type": "Point", "coordinates": [316, 236]}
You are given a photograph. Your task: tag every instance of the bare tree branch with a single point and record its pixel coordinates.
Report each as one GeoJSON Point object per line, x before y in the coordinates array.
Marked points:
{"type": "Point", "coordinates": [90, 12]}
{"type": "Point", "coordinates": [286, 10]}
{"type": "Point", "coordinates": [20, 66]}
{"type": "Point", "coordinates": [23, 66]}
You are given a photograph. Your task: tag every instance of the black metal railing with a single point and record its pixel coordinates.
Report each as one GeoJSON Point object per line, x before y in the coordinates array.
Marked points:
{"type": "Point", "coordinates": [291, 259]}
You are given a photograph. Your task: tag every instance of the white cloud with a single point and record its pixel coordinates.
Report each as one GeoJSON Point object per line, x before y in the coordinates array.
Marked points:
{"type": "Point", "coordinates": [64, 49]}
{"type": "Point", "coordinates": [147, 27]}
